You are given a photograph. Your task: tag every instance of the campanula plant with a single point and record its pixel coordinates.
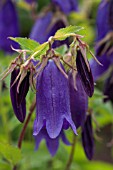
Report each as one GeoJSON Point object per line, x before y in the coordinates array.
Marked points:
{"type": "Point", "coordinates": [62, 84]}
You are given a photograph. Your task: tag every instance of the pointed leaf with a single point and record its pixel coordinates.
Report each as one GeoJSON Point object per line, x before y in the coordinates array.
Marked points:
{"type": "Point", "coordinates": [26, 43]}
{"type": "Point", "coordinates": [64, 33]}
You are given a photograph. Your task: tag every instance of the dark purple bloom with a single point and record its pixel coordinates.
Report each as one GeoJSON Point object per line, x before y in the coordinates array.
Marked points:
{"type": "Point", "coordinates": [104, 28]}
{"type": "Point", "coordinates": [52, 101]}
{"type": "Point", "coordinates": [8, 25]}
{"type": "Point", "coordinates": [87, 138]}
{"type": "Point", "coordinates": [40, 30]}
{"type": "Point", "coordinates": [85, 74]}
{"type": "Point", "coordinates": [43, 29]}
{"type": "Point", "coordinates": [78, 101]}
{"type": "Point", "coordinates": [52, 144]}
{"type": "Point", "coordinates": [66, 6]}
{"type": "Point", "coordinates": [19, 110]}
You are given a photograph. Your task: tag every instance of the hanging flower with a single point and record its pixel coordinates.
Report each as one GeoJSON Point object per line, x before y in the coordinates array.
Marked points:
{"type": "Point", "coordinates": [18, 97]}
{"type": "Point", "coordinates": [87, 138]}
{"type": "Point", "coordinates": [78, 100]}
{"type": "Point", "coordinates": [9, 26]}
{"type": "Point", "coordinates": [47, 25]}
{"type": "Point", "coordinates": [52, 101]}
{"type": "Point", "coordinates": [104, 40]}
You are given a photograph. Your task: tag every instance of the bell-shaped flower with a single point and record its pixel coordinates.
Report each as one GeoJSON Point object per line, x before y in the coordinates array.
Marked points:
{"type": "Point", "coordinates": [18, 98]}
{"type": "Point", "coordinates": [66, 6]}
{"type": "Point", "coordinates": [104, 39]}
{"type": "Point", "coordinates": [78, 101]}
{"type": "Point", "coordinates": [52, 144]}
{"type": "Point", "coordinates": [9, 26]}
{"type": "Point", "coordinates": [43, 29]}
{"type": "Point", "coordinates": [52, 101]}
{"type": "Point", "coordinates": [87, 138]}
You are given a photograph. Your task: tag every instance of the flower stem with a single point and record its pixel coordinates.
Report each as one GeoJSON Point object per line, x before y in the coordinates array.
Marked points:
{"type": "Point", "coordinates": [20, 140]}
{"type": "Point", "coordinates": [70, 160]}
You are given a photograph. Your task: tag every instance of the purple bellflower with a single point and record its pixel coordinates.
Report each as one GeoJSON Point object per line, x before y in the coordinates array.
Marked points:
{"type": "Point", "coordinates": [78, 101]}
{"type": "Point", "coordinates": [9, 26]}
{"type": "Point", "coordinates": [104, 46]}
{"type": "Point", "coordinates": [66, 6]}
{"type": "Point", "coordinates": [42, 29]}
{"type": "Point", "coordinates": [87, 138]}
{"type": "Point", "coordinates": [48, 24]}
{"type": "Point", "coordinates": [52, 102]}
{"type": "Point", "coordinates": [104, 40]}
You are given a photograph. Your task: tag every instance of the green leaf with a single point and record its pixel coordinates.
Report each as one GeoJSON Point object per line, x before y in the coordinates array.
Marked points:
{"type": "Point", "coordinates": [26, 43]}
{"type": "Point", "coordinates": [41, 50]}
{"type": "Point", "coordinates": [10, 153]}
{"type": "Point", "coordinates": [61, 50]}
{"type": "Point", "coordinates": [64, 33]}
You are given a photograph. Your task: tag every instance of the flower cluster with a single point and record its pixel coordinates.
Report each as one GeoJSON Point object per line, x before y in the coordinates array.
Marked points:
{"type": "Point", "coordinates": [61, 94]}
{"type": "Point", "coordinates": [62, 83]}
{"type": "Point", "coordinates": [104, 46]}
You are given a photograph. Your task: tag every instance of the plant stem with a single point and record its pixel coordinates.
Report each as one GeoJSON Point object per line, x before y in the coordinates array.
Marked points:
{"type": "Point", "coordinates": [20, 140]}
{"type": "Point", "coordinates": [70, 160]}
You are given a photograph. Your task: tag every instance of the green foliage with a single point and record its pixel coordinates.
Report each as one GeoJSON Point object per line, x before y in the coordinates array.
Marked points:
{"type": "Point", "coordinates": [10, 153]}
{"type": "Point", "coordinates": [64, 33]}
{"type": "Point", "coordinates": [26, 43]}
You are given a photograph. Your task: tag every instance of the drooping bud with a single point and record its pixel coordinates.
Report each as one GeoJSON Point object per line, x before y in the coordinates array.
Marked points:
{"type": "Point", "coordinates": [87, 138]}
{"type": "Point", "coordinates": [78, 101]}
{"type": "Point", "coordinates": [85, 73]}
{"type": "Point", "coordinates": [18, 103]}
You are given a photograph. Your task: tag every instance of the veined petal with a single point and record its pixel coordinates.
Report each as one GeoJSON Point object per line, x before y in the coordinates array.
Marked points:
{"type": "Point", "coordinates": [78, 101]}
{"type": "Point", "coordinates": [52, 144]}
{"type": "Point", "coordinates": [52, 100]}
{"type": "Point", "coordinates": [87, 138]}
